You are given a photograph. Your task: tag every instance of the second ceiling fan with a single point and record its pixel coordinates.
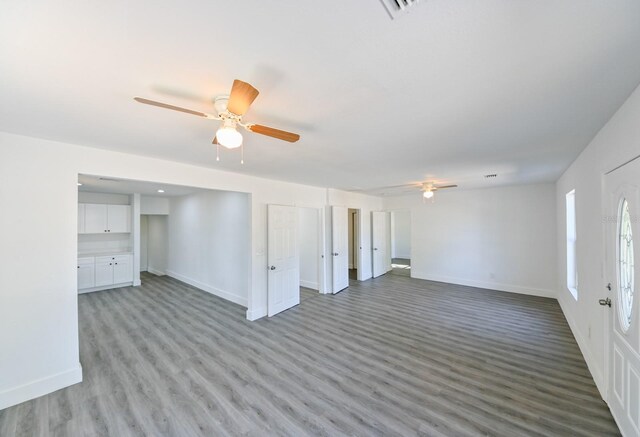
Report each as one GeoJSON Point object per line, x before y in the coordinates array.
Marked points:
{"type": "Point", "coordinates": [229, 110]}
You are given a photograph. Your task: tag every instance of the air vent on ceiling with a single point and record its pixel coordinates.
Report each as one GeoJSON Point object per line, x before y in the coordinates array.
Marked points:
{"type": "Point", "coordinates": [489, 176]}
{"type": "Point", "coordinates": [395, 8]}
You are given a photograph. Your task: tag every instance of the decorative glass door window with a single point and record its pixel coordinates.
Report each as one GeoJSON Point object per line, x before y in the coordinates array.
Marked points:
{"type": "Point", "coordinates": [625, 265]}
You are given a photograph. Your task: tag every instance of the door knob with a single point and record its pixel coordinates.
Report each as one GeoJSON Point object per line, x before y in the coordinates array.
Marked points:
{"type": "Point", "coordinates": [336, 254]}
{"type": "Point", "coordinates": [605, 302]}
{"type": "Point", "coordinates": [375, 248]}
{"type": "Point", "coordinates": [272, 268]}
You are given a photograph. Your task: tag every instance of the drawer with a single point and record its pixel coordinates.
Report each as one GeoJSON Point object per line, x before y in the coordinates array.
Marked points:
{"type": "Point", "coordinates": [86, 261]}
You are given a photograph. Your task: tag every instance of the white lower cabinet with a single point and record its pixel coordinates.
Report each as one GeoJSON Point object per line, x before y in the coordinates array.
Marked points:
{"type": "Point", "coordinates": [103, 271]}
{"type": "Point", "coordinates": [86, 273]}
{"type": "Point", "coordinates": [122, 269]}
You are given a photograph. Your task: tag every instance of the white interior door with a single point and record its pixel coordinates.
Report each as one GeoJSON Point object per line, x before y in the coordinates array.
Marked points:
{"type": "Point", "coordinates": [379, 243]}
{"type": "Point", "coordinates": [283, 258]}
{"type": "Point", "coordinates": [622, 209]}
{"type": "Point", "coordinates": [340, 247]}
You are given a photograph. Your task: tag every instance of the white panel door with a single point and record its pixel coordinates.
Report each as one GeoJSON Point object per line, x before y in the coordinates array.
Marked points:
{"type": "Point", "coordinates": [104, 272]}
{"type": "Point", "coordinates": [95, 218]}
{"type": "Point", "coordinates": [86, 273]}
{"type": "Point", "coordinates": [622, 209]}
{"type": "Point", "coordinates": [122, 269]}
{"type": "Point", "coordinates": [119, 218]}
{"type": "Point", "coordinates": [283, 258]}
{"type": "Point", "coordinates": [379, 243]}
{"type": "Point", "coordinates": [340, 247]}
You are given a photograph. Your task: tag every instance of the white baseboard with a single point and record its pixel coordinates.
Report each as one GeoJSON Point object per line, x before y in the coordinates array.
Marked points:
{"type": "Point", "coordinates": [256, 314]}
{"type": "Point", "coordinates": [309, 284]}
{"type": "Point", "coordinates": [105, 287]}
{"type": "Point", "coordinates": [40, 387]}
{"type": "Point", "coordinates": [209, 289]}
{"type": "Point", "coordinates": [156, 272]}
{"type": "Point", "coordinates": [485, 284]}
{"type": "Point", "coordinates": [596, 371]}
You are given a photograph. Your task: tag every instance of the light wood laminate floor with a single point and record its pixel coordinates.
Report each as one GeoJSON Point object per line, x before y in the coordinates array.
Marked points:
{"type": "Point", "coordinates": [392, 356]}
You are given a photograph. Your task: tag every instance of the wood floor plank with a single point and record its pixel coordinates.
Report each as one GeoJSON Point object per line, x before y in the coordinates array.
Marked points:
{"type": "Point", "coordinates": [389, 356]}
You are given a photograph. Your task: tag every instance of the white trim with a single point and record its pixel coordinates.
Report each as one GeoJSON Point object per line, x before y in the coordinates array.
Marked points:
{"type": "Point", "coordinates": [489, 285]}
{"type": "Point", "coordinates": [40, 387]}
{"type": "Point", "coordinates": [596, 371]}
{"type": "Point", "coordinates": [209, 289]}
{"type": "Point", "coordinates": [309, 284]}
{"type": "Point", "coordinates": [105, 287]}
{"type": "Point", "coordinates": [256, 314]}
{"type": "Point", "coordinates": [156, 272]}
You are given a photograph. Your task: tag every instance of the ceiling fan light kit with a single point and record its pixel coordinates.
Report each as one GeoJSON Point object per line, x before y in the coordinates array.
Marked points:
{"type": "Point", "coordinates": [229, 110]}
{"type": "Point", "coordinates": [228, 136]}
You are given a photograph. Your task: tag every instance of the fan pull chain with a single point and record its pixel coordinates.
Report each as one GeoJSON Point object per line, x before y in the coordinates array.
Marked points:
{"type": "Point", "coordinates": [242, 154]}
{"type": "Point", "coordinates": [217, 152]}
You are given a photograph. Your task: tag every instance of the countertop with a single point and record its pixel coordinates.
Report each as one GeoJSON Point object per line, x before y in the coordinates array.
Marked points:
{"type": "Point", "coordinates": [103, 253]}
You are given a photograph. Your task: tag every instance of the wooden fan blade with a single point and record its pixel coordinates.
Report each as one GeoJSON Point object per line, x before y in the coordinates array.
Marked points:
{"type": "Point", "coordinates": [275, 133]}
{"type": "Point", "coordinates": [445, 186]}
{"type": "Point", "coordinates": [241, 97]}
{"type": "Point", "coordinates": [215, 140]}
{"type": "Point", "coordinates": [164, 105]}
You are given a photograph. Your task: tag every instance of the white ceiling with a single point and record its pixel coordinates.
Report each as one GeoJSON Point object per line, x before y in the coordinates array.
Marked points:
{"type": "Point", "coordinates": [100, 184]}
{"type": "Point", "coordinates": [450, 92]}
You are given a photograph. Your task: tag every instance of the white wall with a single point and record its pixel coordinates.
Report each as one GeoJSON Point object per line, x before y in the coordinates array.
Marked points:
{"type": "Point", "coordinates": [209, 243]}
{"type": "Point", "coordinates": [154, 205]}
{"type": "Point", "coordinates": [401, 234]}
{"type": "Point", "coordinates": [308, 232]}
{"type": "Point", "coordinates": [499, 238]}
{"type": "Point", "coordinates": [617, 142]}
{"type": "Point", "coordinates": [157, 244]}
{"type": "Point", "coordinates": [144, 237]}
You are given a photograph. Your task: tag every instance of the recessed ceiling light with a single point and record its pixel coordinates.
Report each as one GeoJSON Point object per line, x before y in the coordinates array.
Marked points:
{"type": "Point", "coordinates": [160, 191]}
{"type": "Point", "coordinates": [79, 184]}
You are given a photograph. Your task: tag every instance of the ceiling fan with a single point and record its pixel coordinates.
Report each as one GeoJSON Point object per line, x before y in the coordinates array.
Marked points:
{"type": "Point", "coordinates": [429, 189]}
{"type": "Point", "coordinates": [230, 109]}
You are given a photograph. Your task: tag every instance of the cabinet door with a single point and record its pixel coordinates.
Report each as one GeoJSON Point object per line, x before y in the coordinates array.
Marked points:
{"type": "Point", "coordinates": [119, 218]}
{"type": "Point", "coordinates": [122, 269]}
{"type": "Point", "coordinates": [104, 273]}
{"type": "Point", "coordinates": [86, 276]}
{"type": "Point", "coordinates": [81, 218]}
{"type": "Point", "coordinates": [95, 218]}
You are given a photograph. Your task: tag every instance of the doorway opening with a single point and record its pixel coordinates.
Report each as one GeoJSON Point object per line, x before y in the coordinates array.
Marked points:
{"type": "Point", "coordinates": [199, 236]}
{"type": "Point", "coordinates": [310, 248]}
{"type": "Point", "coordinates": [154, 243]}
{"type": "Point", "coordinates": [354, 244]}
{"type": "Point", "coordinates": [401, 243]}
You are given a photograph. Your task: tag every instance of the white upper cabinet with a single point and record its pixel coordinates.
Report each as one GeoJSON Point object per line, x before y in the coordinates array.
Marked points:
{"type": "Point", "coordinates": [95, 218]}
{"type": "Point", "coordinates": [100, 218]}
{"type": "Point", "coordinates": [118, 218]}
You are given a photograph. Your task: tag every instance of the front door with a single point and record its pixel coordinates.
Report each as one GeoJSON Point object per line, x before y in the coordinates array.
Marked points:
{"type": "Point", "coordinates": [622, 214]}
{"type": "Point", "coordinates": [283, 258]}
